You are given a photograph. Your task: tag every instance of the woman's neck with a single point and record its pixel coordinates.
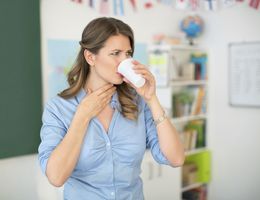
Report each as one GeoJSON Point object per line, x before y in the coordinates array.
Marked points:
{"type": "Point", "coordinates": [94, 82]}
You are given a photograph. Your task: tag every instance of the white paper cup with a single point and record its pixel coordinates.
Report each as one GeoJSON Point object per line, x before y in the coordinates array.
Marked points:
{"type": "Point", "coordinates": [126, 69]}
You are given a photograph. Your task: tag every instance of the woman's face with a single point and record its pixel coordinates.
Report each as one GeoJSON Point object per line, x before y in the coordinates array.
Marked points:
{"type": "Point", "coordinates": [116, 49]}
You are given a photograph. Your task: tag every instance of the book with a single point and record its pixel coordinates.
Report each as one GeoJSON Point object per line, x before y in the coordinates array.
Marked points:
{"type": "Point", "coordinates": [200, 60]}
{"type": "Point", "coordinates": [188, 71]}
{"type": "Point", "coordinates": [189, 174]}
{"type": "Point", "coordinates": [199, 127]}
{"type": "Point", "coordinates": [199, 193]}
{"type": "Point", "coordinates": [189, 139]}
{"type": "Point", "coordinates": [199, 94]}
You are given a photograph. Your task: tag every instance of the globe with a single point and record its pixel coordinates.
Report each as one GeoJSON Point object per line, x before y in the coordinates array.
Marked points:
{"type": "Point", "coordinates": [192, 27]}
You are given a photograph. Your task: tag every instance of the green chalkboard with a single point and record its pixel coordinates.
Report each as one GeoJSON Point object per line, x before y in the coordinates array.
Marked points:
{"type": "Point", "coordinates": [20, 82]}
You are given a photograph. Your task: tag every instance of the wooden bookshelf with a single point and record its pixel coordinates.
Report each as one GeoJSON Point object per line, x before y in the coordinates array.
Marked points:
{"type": "Point", "coordinates": [197, 85]}
{"type": "Point", "coordinates": [185, 98]}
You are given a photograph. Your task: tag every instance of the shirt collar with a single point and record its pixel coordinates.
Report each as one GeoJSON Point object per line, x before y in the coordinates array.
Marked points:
{"type": "Point", "coordinates": [80, 95]}
{"type": "Point", "coordinates": [114, 103]}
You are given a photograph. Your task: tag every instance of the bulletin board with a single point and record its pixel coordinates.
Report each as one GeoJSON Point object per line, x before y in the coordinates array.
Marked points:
{"type": "Point", "coordinates": [244, 74]}
{"type": "Point", "coordinates": [20, 83]}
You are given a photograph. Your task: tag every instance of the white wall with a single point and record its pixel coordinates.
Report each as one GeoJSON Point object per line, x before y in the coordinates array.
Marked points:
{"type": "Point", "coordinates": [234, 132]}
{"type": "Point", "coordinates": [21, 179]}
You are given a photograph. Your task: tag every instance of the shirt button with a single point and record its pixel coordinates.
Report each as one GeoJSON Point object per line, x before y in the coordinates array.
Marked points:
{"type": "Point", "coordinates": [108, 145]}
{"type": "Point", "coordinates": [112, 193]}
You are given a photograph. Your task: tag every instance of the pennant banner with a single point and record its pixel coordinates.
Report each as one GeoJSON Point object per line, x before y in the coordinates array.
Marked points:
{"type": "Point", "coordinates": [194, 5]}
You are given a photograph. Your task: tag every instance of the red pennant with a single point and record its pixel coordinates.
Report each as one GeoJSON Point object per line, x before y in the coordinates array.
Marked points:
{"type": "Point", "coordinates": [254, 3]}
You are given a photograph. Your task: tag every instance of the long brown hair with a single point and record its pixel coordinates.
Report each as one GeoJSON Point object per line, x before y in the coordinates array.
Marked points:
{"type": "Point", "coordinates": [93, 38]}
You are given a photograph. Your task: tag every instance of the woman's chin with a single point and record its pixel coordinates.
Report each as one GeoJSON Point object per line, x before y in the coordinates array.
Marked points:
{"type": "Point", "coordinates": [118, 82]}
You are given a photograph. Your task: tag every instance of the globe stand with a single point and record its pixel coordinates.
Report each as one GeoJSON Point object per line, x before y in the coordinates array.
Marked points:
{"type": "Point", "coordinates": [191, 41]}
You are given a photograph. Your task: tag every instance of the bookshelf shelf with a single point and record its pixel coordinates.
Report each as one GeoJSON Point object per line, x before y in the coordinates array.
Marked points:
{"type": "Point", "coordinates": [192, 186]}
{"type": "Point", "coordinates": [188, 82]}
{"type": "Point", "coordinates": [188, 118]}
{"type": "Point", "coordinates": [195, 151]}
{"type": "Point", "coordinates": [166, 47]}
{"type": "Point", "coordinates": [189, 87]}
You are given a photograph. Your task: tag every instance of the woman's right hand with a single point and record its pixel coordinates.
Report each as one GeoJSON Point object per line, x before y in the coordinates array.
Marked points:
{"type": "Point", "coordinates": [95, 102]}
{"type": "Point", "coordinates": [65, 156]}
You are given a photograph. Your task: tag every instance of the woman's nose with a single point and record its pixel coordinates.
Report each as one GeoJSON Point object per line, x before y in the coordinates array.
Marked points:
{"type": "Point", "coordinates": [123, 57]}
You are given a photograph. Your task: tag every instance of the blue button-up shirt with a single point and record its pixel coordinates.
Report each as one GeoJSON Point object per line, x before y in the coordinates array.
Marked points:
{"type": "Point", "coordinates": [109, 164]}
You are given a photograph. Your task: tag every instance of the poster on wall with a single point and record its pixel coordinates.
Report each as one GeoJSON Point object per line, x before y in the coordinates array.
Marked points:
{"type": "Point", "coordinates": [61, 56]}
{"type": "Point", "coordinates": [158, 64]}
{"type": "Point", "coordinates": [244, 74]}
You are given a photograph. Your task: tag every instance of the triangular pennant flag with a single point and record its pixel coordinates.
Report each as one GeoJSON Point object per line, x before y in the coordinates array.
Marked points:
{"type": "Point", "coordinates": [104, 7]}
{"type": "Point", "coordinates": [254, 3]}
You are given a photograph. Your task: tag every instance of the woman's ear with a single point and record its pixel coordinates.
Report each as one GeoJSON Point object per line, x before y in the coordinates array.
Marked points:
{"type": "Point", "coordinates": [89, 57]}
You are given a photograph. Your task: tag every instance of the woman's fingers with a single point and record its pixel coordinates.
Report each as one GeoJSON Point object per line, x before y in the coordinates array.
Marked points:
{"type": "Point", "coordinates": [95, 101]}
{"type": "Point", "coordinates": [139, 66]}
{"type": "Point", "coordinates": [142, 71]}
{"type": "Point", "coordinates": [145, 74]}
{"type": "Point", "coordinates": [103, 89]}
{"type": "Point", "coordinates": [149, 78]}
{"type": "Point", "coordinates": [107, 93]}
{"type": "Point", "coordinates": [135, 62]}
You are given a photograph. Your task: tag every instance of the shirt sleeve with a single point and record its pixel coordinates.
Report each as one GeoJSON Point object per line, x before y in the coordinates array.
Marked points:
{"type": "Point", "coordinates": [52, 132]}
{"type": "Point", "coordinates": [152, 137]}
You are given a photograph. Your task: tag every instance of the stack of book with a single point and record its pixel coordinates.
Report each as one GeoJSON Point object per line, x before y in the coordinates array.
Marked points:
{"type": "Point", "coordinates": [189, 174]}
{"type": "Point", "coordinates": [199, 193]}
{"type": "Point", "coordinates": [190, 101]}
{"type": "Point", "coordinates": [195, 68]}
{"type": "Point", "coordinates": [193, 135]}
{"type": "Point", "coordinates": [189, 139]}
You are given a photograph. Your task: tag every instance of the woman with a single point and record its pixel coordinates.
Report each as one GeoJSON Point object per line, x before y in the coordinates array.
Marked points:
{"type": "Point", "coordinates": [95, 133]}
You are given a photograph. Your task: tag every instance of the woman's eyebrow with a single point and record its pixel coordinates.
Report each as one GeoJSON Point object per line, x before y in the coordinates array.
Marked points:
{"type": "Point", "coordinates": [121, 50]}
{"type": "Point", "coordinates": [116, 50]}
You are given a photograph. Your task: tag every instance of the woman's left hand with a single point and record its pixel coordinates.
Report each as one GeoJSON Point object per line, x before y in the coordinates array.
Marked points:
{"type": "Point", "coordinates": [148, 90]}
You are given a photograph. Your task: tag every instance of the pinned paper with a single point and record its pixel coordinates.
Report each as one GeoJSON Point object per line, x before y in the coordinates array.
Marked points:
{"type": "Point", "coordinates": [158, 65]}
{"type": "Point", "coordinates": [140, 53]}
